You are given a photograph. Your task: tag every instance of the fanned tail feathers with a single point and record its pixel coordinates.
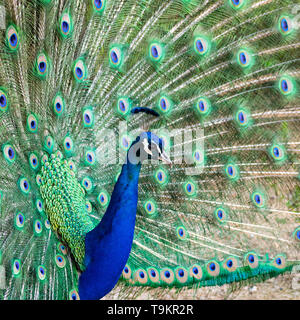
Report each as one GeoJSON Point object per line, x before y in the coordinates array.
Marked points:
{"type": "Point", "coordinates": [224, 78]}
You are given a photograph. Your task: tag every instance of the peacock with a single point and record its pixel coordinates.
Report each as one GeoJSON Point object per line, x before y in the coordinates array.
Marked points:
{"type": "Point", "coordinates": [148, 144]}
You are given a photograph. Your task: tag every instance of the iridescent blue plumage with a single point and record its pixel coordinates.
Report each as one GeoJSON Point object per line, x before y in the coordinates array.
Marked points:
{"type": "Point", "coordinates": [108, 246]}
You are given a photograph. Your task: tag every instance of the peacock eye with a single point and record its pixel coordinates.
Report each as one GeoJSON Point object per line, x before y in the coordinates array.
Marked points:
{"type": "Point", "coordinates": [243, 118]}
{"type": "Point", "coordinates": [98, 5]}
{"type": "Point", "coordinates": [220, 214]}
{"type": "Point", "coordinates": [68, 145]}
{"type": "Point", "coordinates": [73, 295]}
{"type": "Point", "coordinates": [39, 205]}
{"type": "Point", "coordinates": [24, 185]}
{"type": "Point", "coordinates": [203, 106]}
{"type": "Point", "coordinates": [201, 46]}
{"type": "Point", "coordinates": [116, 56]}
{"type": "Point", "coordinates": [258, 199]}
{"type": "Point", "coordinates": [103, 198]}
{"type": "Point", "coordinates": [65, 25]}
{"type": "Point", "coordinates": [32, 123]}
{"type": "Point", "coordinates": [285, 25]}
{"type": "Point", "coordinates": [87, 184]}
{"type": "Point", "coordinates": [245, 58]}
{"type": "Point", "coordinates": [37, 227]}
{"type": "Point", "coordinates": [9, 153]}
{"type": "Point", "coordinates": [60, 261]}
{"type": "Point", "coordinates": [80, 71]}
{"type": "Point", "coordinates": [181, 233]}
{"type": "Point", "coordinates": [47, 224]}
{"type": "Point", "coordinates": [156, 52]}
{"type": "Point", "coordinates": [150, 207]}
{"type": "Point", "coordinates": [33, 161]}
{"type": "Point", "coordinates": [90, 158]}
{"type": "Point", "coordinates": [126, 272]}
{"type": "Point", "coordinates": [212, 267]}
{"type": "Point", "coordinates": [122, 105]}
{"type": "Point", "coordinates": [195, 272]}
{"type": "Point", "coordinates": [16, 267]}
{"type": "Point", "coordinates": [42, 64]}
{"type": "Point", "coordinates": [41, 273]}
{"type": "Point", "coordinates": [88, 118]}
{"type": "Point", "coordinates": [237, 4]}
{"type": "Point", "coordinates": [164, 104]}
{"type": "Point", "coordinates": [3, 101]}
{"type": "Point", "coordinates": [190, 188]}
{"type": "Point", "coordinates": [286, 85]}
{"type": "Point", "coordinates": [229, 263]}
{"type": "Point", "coordinates": [12, 38]}
{"type": "Point", "coordinates": [19, 220]}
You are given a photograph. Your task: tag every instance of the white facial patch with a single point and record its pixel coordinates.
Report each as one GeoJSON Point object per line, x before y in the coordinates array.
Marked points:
{"type": "Point", "coordinates": [145, 144]}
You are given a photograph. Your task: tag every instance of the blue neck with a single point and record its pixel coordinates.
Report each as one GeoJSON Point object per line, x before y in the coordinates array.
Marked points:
{"type": "Point", "coordinates": [107, 247]}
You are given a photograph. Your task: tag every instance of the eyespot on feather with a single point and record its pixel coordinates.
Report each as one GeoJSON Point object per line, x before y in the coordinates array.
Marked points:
{"type": "Point", "coordinates": [32, 123]}
{"type": "Point", "coordinates": [167, 276]}
{"type": "Point", "coordinates": [230, 264]}
{"type": "Point", "coordinates": [58, 105]}
{"type": "Point", "coordinates": [3, 100]}
{"type": "Point", "coordinates": [251, 260]}
{"type": "Point", "coordinates": [153, 275]}
{"type": "Point", "coordinates": [24, 185]}
{"type": "Point", "coordinates": [196, 272]}
{"type": "Point", "coordinates": [74, 295]}
{"type": "Point", "coordinates": [126, 272]}
{"type": "Point", "coordinates": [12, 38]}
{"type": "Point", "coordinates": [9, 153]}
{"type": "Point", "coordinates": [41, 272]}
{"type": "Point", "coordinates": [181, 275]}
{"type": "Point", "coordinates": [80, 71]}
{"type": "Point", "coordinates": [65, 25]}
{"type": "Point", "coordinates": [42, 65]}
{"type": "Point", "coordinates": [98, 5]}
{"type": "Point", "coordinates": [16, 268]}
{"type": "Point", "coordinates": [141, 276]}
{"type": "Point", "coordinates": [213, 268]}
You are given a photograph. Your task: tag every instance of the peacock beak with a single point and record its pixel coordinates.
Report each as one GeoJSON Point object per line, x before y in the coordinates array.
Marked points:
{"type": "Point", "coordinates": [165, 158]}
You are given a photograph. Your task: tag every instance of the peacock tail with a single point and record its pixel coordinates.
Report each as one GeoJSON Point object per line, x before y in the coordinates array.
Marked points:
{"type": "Point", "coordinates": [224, 77]}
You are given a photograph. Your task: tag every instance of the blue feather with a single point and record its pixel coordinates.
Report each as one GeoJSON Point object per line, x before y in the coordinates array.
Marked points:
{"type": "Point", "coordinates": [108, 246]}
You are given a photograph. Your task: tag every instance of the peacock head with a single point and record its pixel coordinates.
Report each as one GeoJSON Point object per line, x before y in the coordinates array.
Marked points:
{"type": "Point", "coordinates": [147, 146]}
